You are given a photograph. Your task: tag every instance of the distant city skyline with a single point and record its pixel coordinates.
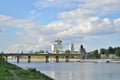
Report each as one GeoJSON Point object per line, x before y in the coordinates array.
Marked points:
{"type": "Point", "coordinates": [32, 25]}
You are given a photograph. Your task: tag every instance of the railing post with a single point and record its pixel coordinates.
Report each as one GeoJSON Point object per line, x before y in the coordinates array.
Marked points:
{"type": "Point", "coordinates": [18, 57]}
{"type": "Point", "coordinates": [57, 58]}
{"type": "Point", "coordinates": [67, 59]}
{"type": "Point", "coordinates": [6, 58]}
{"type": "Point", "coordinates": [29, 59]}
{"type": "Point", "coordinates": [47, 59]}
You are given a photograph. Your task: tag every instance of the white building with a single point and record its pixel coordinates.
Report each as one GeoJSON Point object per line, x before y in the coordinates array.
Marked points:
{"type": "Point", "coordinates": [53, 47]}
{"type": "Point", "coordinates": [57, 46]}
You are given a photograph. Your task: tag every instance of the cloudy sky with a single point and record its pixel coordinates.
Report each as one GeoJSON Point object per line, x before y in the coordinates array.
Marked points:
{"type": "Point", "coordinates": [32, 25]}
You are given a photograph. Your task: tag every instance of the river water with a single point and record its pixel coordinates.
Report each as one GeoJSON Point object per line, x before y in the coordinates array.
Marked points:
{"type": "Point", "coordinates": [75, 70]}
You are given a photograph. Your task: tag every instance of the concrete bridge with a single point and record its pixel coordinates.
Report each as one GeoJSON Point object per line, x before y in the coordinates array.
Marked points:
{"type": "Point", "coordinates": [46, 55]}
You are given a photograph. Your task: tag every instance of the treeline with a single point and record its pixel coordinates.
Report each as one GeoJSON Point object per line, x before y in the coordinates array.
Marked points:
{"type": "Point", "coordinates": [110, 50]}
{"type": "Point", "coordinates": [41, 51]}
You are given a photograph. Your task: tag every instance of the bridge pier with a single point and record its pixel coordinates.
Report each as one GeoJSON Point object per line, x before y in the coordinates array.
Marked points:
{"type": "Point", "coordinates": [6, 58]}
{"type": "Point", "coordinates": [18, 58]}
{"type": "Point", "coordinates": [29, 59]}
{"type": "Point", "coordinates": [57, 58]}
{"type": "Point", "coordinates": [67, 59]}
{"type": "Point", "coordinates": [47, 59]}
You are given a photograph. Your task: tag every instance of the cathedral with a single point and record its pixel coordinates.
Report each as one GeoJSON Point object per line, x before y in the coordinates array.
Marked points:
{"type": "Point", "coordinates": [57, 47]}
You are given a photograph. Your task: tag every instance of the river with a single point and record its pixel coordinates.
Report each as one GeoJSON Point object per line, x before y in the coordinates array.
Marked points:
{"type": "Point", "coordinates": [75, 70]}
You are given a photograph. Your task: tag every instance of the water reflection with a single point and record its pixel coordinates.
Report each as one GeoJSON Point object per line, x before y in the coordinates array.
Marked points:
{"type": "Point", "coordinates": [75, 71]}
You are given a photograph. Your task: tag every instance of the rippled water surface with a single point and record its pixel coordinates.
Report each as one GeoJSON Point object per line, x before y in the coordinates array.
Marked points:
{"type": "Point", "coordinates": [75, 70]}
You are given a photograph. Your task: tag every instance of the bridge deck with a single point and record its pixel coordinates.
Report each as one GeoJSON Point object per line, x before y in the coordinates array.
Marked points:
{"type": "Point", "coordinates": [49, 54]}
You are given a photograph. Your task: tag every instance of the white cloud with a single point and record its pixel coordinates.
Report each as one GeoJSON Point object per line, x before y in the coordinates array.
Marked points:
{"type": "Point", "coordinates": [4, 18]}
{"type": "Point", "coordinates": [17, 48]}
{"type": "Point", "coordinates": [28, 36]}
{"type": "Point", "coordinates": [56, 3]}
{"type": "Point", "coordinates": [102, 6]}
{"type": "Point", "coordinates": [78, 13]}
{"type": "Point", "coordinates": [117, 24]}
{"type": "Point", "coordinates": [105, 5]}
{"type": "Point", "coordinates": [27, 25]}
{"type": "Point", "coordinates": [34, 14]}
{"type": "Point", "coordinates": [86, 22]}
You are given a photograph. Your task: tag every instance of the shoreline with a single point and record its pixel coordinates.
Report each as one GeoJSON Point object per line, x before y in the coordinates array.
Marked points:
{"type": "Point", "coordinates": [76, 60]}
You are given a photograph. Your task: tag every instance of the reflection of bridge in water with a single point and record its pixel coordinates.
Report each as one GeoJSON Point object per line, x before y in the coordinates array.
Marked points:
{"type": "Point", "coordinates": [47, 56]}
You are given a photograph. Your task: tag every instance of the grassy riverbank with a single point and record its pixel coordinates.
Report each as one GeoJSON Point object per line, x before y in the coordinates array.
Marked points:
{"type": "Point", "coordinates": [12, 72]}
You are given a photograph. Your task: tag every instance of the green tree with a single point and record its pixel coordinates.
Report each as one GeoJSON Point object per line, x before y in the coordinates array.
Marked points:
{"type": "Point", "coordinates": [117, 51]}
{"type": "Point", "coordinates": [95, 54]}
{"type": "Point", "coordinates": [46, 51]}
{"type": "Point", "coordinates": [102, 51]}
{"type": "Point", "coordinates": [67, 51]}
{"type": "Point", "coordinates": [1, 54]}
{"type": "Point", "coordinates": [41, 51]}
{"type": "Point", "coordinates": [111, 50]}
{"type": "Point", "coordinates": [38, 52]}
{"type": "Point", "coordinates": [107, 52]}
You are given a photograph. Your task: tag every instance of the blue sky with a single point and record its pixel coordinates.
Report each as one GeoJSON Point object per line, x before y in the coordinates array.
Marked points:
{"type": "Point", "coordinates": [32, 25]}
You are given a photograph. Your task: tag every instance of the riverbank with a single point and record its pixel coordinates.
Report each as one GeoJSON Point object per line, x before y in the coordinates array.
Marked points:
{"type": "Point", "coordinates": [12, 72]}
{"type": "Point", "coordinates": [73, 60]}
